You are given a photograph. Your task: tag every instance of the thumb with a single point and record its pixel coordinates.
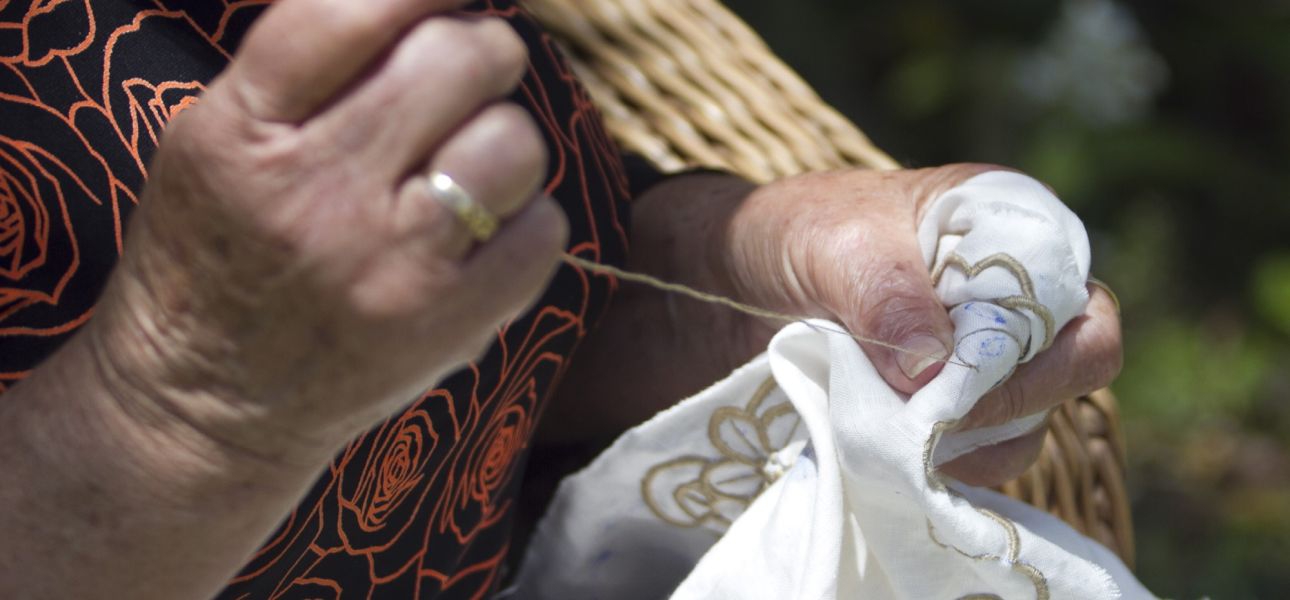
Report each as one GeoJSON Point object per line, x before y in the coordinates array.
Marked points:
{"type": "Point", "coordinates": [891, 298]}
{"type": "Point", "coordinates": [894, 303]}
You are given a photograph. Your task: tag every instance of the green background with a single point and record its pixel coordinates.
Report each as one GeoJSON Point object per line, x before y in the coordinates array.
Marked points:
{"type": "Point", "coordinates": [1166, 125]}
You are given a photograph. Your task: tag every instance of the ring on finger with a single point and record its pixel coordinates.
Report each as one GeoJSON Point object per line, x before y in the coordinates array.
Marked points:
{"type": "Point", "coordinates": [481, 223]}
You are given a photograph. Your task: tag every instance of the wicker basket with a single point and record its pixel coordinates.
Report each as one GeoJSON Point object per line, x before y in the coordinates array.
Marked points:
{"type": "Point", "coordinates": [686, 83]}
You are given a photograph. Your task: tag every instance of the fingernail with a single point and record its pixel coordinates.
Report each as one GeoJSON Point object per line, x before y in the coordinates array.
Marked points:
{"type": "Point", "coordinates": [924, 351]}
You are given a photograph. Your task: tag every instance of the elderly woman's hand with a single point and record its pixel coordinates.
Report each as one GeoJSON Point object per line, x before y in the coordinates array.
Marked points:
{"type": "Point", "coordinates": [288, 279]}
{"type": "Point", "coordinates": [842, 245]}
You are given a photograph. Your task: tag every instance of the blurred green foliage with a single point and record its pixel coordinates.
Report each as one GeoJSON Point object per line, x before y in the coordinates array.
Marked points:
{"type": "Point", "coordinates": [1166, 125]}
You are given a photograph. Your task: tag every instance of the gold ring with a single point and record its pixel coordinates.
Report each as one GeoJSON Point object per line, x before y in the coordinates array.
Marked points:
{"type": "Point", "coordinates": [1110, 292]}
{"type": "Point", "coordinates": [481, 223]}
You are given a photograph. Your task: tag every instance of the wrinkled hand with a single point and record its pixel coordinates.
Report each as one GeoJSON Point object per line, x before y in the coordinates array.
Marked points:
{"type": "Point", "coordinates": [287, 280]}
{"type": "Point", "coordinates": [843, 246]}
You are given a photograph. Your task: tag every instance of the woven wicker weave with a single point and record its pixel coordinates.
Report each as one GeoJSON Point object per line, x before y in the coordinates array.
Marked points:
{"type": "Point", "coordinates": [686, 83]}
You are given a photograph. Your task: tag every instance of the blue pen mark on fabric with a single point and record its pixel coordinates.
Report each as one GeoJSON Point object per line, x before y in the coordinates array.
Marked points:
{"type": "Point", "coordinates": [990, 312]}
{"type": "Point", "coordinates": [602, 557]}
{"type": "Point", "coordinates": [993, 347]}
{"type": "Point", "coordinates": [998, 315]}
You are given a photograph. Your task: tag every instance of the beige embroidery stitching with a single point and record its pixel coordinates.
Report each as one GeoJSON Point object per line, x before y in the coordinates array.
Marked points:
{"type": "Point", "coordinates": [1010, 530]}
{"type": "Point", "coordinates": [1036, 577]}
{"type": "Point", "coordinates": [699, 499]}
{"type": "Point", "coordinates": [934, 480]}
{"type": "Point", "coordinates": [1028, 300]}
{"type": "Point", "coordinates": [724, 486]}
{"type": "Point", "coordinates": [931, 534]}
{"type": "Point", "coordinates": [1013, 552]}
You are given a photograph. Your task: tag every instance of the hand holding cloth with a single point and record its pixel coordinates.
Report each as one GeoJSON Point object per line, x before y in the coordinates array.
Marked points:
{"type": "Point", "coordinates": [804, 475]}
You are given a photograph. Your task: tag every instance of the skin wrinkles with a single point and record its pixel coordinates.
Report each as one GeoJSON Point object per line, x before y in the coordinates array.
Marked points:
{"type": "Point", "coordinates": [273, 222]}
{"type": "Point", "coordinates": [852, 252]}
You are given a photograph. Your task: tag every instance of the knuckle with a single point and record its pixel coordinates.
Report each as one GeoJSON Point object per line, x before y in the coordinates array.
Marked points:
{"type": "Point", "coordinates": [249, 98]}
{"type": "Point", "coordinates": [183, 148]}
{"type": "Point", "coordinates": [517, 138]}
{"type": "Point", "coordinates": [547, 232]}
{"type": "Point", "coordinates": [1010, 402]}
{"type": "Point", "coordinates": [353, 20]}
{"type": "Point", "coordinates": [508, 55]}
{"type": "Point", "coordinates": [898, 310]}
{"type": "Point", "coordinates": [442, 43]}
{"type": "Point", "coordinates": [227, 119]}
{"type": "Point", "coordinates": [485, 54]}
{"type": "Point", "coordinates": [1097, 354]}
{"type": "Point", "coordinates": [516, 123]}
{"type": "Point", "coordinates": [471, 63]}
{"type": "Point", "coordinates": [448, 42]}
{"type": "Point", "coordinates": [1106, 357]}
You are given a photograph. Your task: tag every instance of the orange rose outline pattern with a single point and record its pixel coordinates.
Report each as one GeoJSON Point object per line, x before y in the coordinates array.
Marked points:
{"type": "Point", "coordinates": [418, 507]}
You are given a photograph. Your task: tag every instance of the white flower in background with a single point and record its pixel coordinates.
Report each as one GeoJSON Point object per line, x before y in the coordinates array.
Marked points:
{"type": "Point", "coordinates": [1096, 62]}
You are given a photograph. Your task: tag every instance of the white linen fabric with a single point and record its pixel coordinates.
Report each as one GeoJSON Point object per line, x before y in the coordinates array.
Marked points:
{"type": "Point", "coordinates": [803, 475]}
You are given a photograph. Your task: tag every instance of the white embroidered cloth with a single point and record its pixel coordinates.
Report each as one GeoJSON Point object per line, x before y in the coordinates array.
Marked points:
{"type": "Point", "coordinates": [803, 475]}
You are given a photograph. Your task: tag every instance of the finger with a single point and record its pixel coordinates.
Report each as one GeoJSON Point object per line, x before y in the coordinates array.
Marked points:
{"type": "Point", "coordinates": [302, 52]}
{"type": "Point", "coordinates": [890, 298]}
{"type": "Point", "coordinates": [1002, 462]}
{"type": "Point", "coordinates": [509, 271]}
{"type": "Point", "coordinates": [498, 158]}
{"type": "Point", "coordinates": [1086, 356]}
{"type": "Point", "coordinates": [443, 71]}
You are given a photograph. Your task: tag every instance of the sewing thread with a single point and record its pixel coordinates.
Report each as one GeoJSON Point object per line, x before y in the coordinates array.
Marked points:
{"type": "Point", "coordinates": [748, 309]}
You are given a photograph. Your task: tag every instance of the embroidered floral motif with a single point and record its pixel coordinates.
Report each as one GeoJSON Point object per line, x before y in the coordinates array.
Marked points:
{"type": "Point", "coordinates": [755, 445]}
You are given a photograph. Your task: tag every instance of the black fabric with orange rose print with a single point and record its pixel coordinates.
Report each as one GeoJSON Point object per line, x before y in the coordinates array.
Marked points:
{"type": "Point", "coordinates": [421, 506]}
